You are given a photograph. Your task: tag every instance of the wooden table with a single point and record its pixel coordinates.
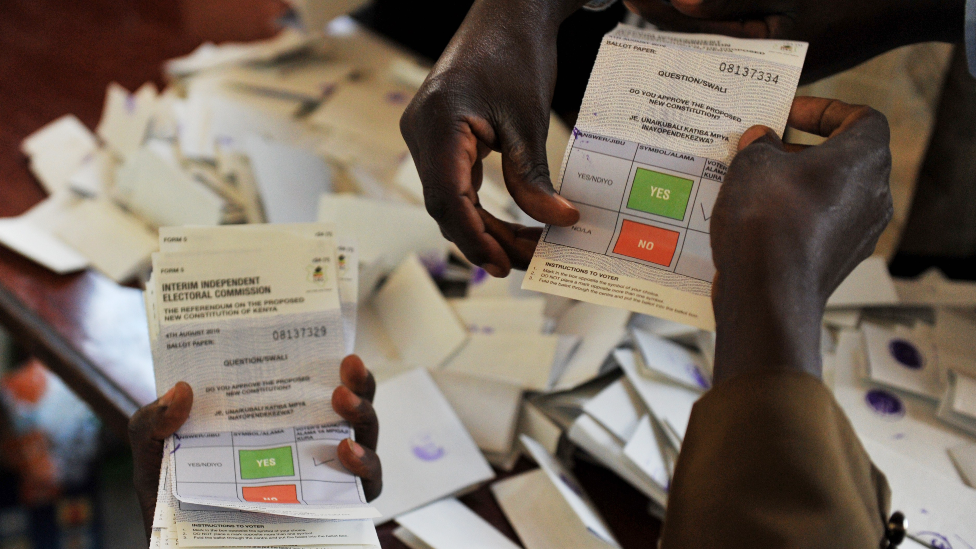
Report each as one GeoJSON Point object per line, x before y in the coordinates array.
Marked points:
{"type": "Point", "coordinates": [56, 58]}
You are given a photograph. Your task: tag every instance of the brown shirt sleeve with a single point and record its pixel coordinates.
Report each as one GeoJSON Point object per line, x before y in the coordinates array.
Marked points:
{"type": "Point", "coordinates": [770, 460]}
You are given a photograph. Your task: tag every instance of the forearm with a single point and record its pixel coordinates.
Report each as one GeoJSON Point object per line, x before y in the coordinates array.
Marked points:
{"type": "Point", "coordinates": [766, 328]}
{"type": "Point", "coordinates": [770, 460]}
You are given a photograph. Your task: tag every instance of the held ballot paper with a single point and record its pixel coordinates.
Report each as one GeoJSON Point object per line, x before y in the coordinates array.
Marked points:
{"type": "Point", "coordinates": [659, 124]}
{"type": "Point", "coordinates": [256, 319]}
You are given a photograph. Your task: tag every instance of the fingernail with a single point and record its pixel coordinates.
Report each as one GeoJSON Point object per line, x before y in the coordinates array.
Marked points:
{"type": "Point", "coordinates": [167, 398]}
{"type": "Point", "coordinates": [357, 450]}
{"type": "Point", "coordinates": [356, 401]}
{"type": "Point", "coordinates": [493, 270]}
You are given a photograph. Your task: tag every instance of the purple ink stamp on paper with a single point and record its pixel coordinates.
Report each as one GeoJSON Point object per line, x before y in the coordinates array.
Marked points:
{"type": "Point", "coordinates": [426, 448]}
{"type": "Point", "coordinates": [885, 404]}
{"type": "Point", "coordinates": [478, 275]}
{"type": "Point", "coordinates": [906, 354]}
{"type": "Point", "coordinates": [397, 98]}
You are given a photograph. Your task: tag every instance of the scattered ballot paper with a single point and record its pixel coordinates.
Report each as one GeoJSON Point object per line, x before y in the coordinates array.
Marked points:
{"type": "Point", "coordinates": [671, 361]}
{"type": "Point", "coordinates": [250, 317]}
{"type": "Point", "coordinates": [549, 509]}
{"type": "Point", "coordinates": [425, 450]}
{"type": "Point", "coordinates": [449, 524]}
{"type": "Point", "coordinates": [645, 163]}
{"type": "Point", "coordinates": [958, 406]}
{"type": "Point", "coordinates": [903, 358]}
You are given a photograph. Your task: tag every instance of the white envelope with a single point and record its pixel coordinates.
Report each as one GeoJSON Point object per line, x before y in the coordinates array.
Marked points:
{"type": "Point", "coordinates": [116, 243]}
{"type": "Point", "coordinates": [672, 361]}
{"type": "Point", "coordinates": [903, 358]}
{"type": "Point", "coordinates": [548, 509]}
{"type": "Point", "coordinates": [868, 284]}
{"type": "Point", "coordinates": [902, 422]}
{"type": "Point", "coordinates": [289, 180]}
{"type": "Point", "coordinates": [162, 195]}
{"type": "Point", "coordinates": [493, 315]}
{"type": "Point", "coordinates": [522, 359]}
{"type": "Point", "coordinates": [125, 117]}
{"type": "Point", "coordinates": [417, 318]}
{"type": "Point", "coordinates": [488, 409]}
{"type": "Point", "coordinates": [449, 524]}
{"type": "Point", "coordinates": [671, 404]}
{"type": "Point", "coordinates": [57, 150]}
{"type": "Point", "coordinates": [425, 451]}
{"type": "Point", "coordinates": [618, 408]}
{"type": "Point", "coordinates": [939, 510]}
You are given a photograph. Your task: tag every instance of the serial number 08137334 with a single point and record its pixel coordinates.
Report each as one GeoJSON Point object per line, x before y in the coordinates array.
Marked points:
{"type": "Point", "coordinates": [299, 333]}
{"type": "Point", "coordinates": [746, 72]}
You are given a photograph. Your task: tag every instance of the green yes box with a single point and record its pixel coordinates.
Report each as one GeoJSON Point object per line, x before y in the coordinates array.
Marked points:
{"type": "Point", "coordinates": [660, 194]}
{"type": "Point", "coordinates": [271, 462]}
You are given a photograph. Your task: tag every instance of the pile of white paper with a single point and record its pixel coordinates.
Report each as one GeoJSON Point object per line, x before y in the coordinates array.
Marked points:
{"type": "Point", "coordinates": [252, 317]}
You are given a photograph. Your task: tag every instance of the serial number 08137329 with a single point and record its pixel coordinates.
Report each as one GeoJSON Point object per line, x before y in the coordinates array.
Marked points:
{"type": "Point", "coordinates": [751, 73]}
{"type": "Point", "coordinates": [299, 333]}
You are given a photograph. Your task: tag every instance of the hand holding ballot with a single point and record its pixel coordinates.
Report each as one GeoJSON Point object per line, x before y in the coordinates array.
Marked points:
{"type": "Point", "coordinates": [788, 226]}
{"type": "Point", "coordinates": [154, 423]}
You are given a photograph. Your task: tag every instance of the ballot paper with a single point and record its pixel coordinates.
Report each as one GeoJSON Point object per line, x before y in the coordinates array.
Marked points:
{"type": "Point", "coordinates": [671, 361]}
{"type": "Point", "coordinates": [425, 451]}
{"type": "Point", "coordinates": [958, 406]}
{"type": "Point", "coordinates": [617, 408]}
{"type": "Point", "coordinates": [902, 422]}
{"type": "Point", "coordinates": [601, 330]}
{"type": "Point", "coordinates": [255, 314]}
{"type": "Point", "coordinates": [417, 318]}
{"type": "Point", "coordinates": [289, 180]}
{"type": "Point", "coordinates": [644, 449]}
{"type": "Point", "coordinates": [938, 510]}
{"type": "Point", "coordinates": [868, 284]}
{"type": "Point", "coordinates": [659, 124]}
{"type": "Point", "coordinates": [187, 525]}
{"type": "Point", "coordinates": [551, 509]}
{"type": "Point", "coordinates": [162, 194]}
{"type": "Point", "coordinates": [524, 360]}
{"type": "Point", "coordinates": [493, 315]}
{"type": "Point", "coordinates": [57, 150]}
{"type": "Point", "coordinates": [116, 243]}
{"type": "Point", "coordinates": [125, 117]}
{"type": "Point", "coordinates": [489, 409]}
{"type": "Point", "coordinates": [30, 235]}
{"type": "Point", "coordinates": [903, 358]}
{"type": "Point", "coordinates": [669, 403]}
{"type": "Point", "coordinates": [964, 457]}
{"type": "Point", "coordinates": [449, 524]}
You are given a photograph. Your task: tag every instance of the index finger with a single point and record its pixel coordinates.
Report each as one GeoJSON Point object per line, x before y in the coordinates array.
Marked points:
{"type": "Point", "coordinates": [445, 166]}
{"type": "Point", "coordinates": [824, 117]}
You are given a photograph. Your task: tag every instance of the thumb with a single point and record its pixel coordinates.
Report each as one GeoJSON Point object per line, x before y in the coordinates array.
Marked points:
{"type": "Point", "coordinates": [760, 134]}
{"type": "Point", "coordinates": [526, 170]}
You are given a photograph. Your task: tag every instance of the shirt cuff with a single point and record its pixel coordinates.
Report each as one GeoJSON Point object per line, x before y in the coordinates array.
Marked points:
{"type": "Point", "coordinates": [971, 35]}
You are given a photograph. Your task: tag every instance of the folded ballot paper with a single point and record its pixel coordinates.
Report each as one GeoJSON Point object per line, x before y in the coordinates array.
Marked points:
{"type": "Point", "coordinates": [252, 318]}
{"type": "Point", "coordinates": [645, 163]}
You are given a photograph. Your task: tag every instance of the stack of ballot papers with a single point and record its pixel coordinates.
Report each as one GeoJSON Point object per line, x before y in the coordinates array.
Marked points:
{"type": "Point", "coordinates": [253, 318]}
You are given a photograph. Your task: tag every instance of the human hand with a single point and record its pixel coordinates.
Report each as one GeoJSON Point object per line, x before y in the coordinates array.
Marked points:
{"type": "Point", "coordinates": [151, 425]}
{"type": "Point", "coordinates": [491, 90]}
{"type": "Point", "coordinates": [789, 224]}
{"type": "Point", "coordinates": [841, 33]}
